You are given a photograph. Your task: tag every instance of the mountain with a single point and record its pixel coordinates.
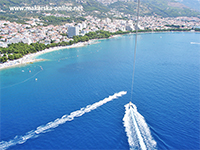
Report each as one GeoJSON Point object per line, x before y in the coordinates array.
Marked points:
{"type": "Point", "coordinates": [101, 8]}
{"type": "Point", "coordinates": [194, 4]}
{"type": "Point", "coordinates": [33, 2]}
{"type": "Point", "coordinates": [165, 8]}
{"type": "Point", "coordinates": [89, 5]}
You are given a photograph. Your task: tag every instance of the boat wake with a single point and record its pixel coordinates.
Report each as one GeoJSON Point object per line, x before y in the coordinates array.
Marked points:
{"type": "Point", "coordinates": [194, 43]}
{"type": "Point", "coordinates": [137, 130]}
{"type": "Point", "coordinates": [45, 128]}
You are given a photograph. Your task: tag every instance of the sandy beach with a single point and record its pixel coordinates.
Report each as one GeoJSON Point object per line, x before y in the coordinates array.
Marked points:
{"type": "Point", "coordinates": [30, 58]}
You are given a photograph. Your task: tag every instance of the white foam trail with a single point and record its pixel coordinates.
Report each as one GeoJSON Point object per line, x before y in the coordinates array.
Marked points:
{"type": "Point", "coordinates": [45, 128]}
{"type": "Point", "coordinates": [137, 130]}
{"type": "Point", "coordinates": [194, 43]}
{"type": "Point", "coordinates": [141, 141]}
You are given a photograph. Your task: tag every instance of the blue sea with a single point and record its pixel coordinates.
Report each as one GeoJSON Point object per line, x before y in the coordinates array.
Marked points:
{"type": "Point", "coordinates": [76, 99]}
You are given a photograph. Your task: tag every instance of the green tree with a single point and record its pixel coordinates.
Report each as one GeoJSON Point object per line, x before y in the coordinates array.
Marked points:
{"type": "Point", "coordinates": [3, 59]}
{"type": "Point", "coordinates": [17, 56]}
{"type": "Point", "coordinates": [11, 57]}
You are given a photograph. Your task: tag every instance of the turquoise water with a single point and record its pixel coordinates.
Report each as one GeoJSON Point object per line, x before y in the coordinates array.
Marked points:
{"type": "Point", "coordinates": [166, 92]}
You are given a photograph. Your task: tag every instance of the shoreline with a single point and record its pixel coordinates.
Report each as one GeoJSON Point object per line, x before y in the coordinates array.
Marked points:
{"type": "Point", "coordinates": [30, 58]}
{"type": "Point", "coordinates": [162, 32]}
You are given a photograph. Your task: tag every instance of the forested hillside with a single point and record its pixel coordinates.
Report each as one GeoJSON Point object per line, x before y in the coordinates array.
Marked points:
{"type": "Point", "coordinates": [164, 8]}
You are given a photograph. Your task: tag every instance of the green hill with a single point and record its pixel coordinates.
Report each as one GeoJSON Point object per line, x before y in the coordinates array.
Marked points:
{"type": "Point", "coordinates": [89, 5]}
{"type": "Point", "coordinates": [92, 5]}
{"type": "Point", "coordinates": [194, 4]}
{"type": "Point", "coordinates": [164, 8]}
{"type": "Point", "coordinates": [6, 3]}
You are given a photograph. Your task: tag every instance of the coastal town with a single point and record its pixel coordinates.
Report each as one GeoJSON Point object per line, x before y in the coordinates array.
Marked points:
{"type": "Point", "coordinates": [34, 30]}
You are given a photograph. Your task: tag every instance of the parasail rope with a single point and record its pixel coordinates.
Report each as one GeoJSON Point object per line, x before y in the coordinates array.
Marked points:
{"type": "Point", "coordinates": [138, 6]}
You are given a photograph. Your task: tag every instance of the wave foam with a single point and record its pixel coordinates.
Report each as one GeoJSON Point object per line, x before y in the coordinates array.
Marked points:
{"type": "Point", "coordinates": [137, 130]}
{"type": "Point", "coordinates": [45, 128]}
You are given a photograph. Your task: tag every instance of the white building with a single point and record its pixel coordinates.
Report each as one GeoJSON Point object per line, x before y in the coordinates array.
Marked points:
{"type": "Point", "coordinates": [3, 44]}
{"type": "Point", "coordinates": [130, 27]}
{"type": "Point", "coordinates": [84, 25]}
{"type": "Point", "coordinates": [83, 32]}
{"type": "Point", "coordinates": [108, 20]}
{"type": "Point", "coordinates": [27, 40]}
{"type": "Point", "coordinates": [14, 40]}
{"type": "Point", "coordinates": [140, 27]}
{"type": "Point", "coordinates": [122, 28]}
{"type": "Point", "coordinates": [73, 31]}
{"type": "Point", "coordinates": [80, 26]}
